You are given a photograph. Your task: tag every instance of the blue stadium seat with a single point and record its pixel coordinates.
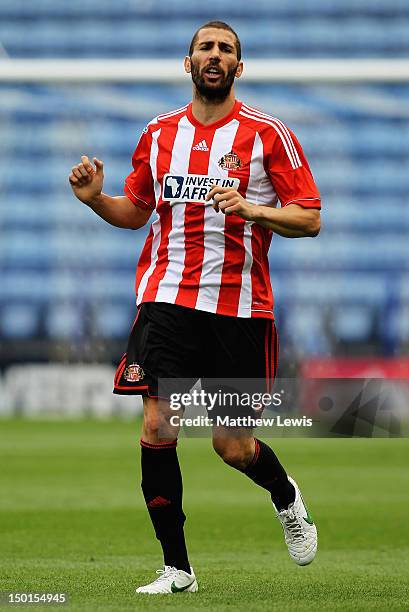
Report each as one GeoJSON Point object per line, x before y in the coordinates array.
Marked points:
{"type": "Point", "coordinates": [312, 36]}
{"type": "Point", "coordinates": [370, 139]}
{"type": "Point", "coordinates": [22, 285]}
{"type": "Point", "coordinates": [142, 8]}
{"type": "Point", "coordinates": [65, 321]}
{"type": "Point", "coordinates": [397, 326]}
{"type": "Point", "coordinates": [330, 288]}
{"type": "Point", "coordinates": [18, 320]}
{"type": "Point", "coordinates": [365, 215]}
{"type": "Point", "coordinates": [113, 320]}
{"type": "Point", "coordinates": [352, 323]}
{"type": "Point", "coordinates": [304, 329]}
{"type": "Point", "coordinates": [24, 246]}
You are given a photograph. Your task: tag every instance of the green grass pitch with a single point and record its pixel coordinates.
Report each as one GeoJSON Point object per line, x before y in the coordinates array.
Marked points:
{"type": "Point", "coordinates": [72, 519]}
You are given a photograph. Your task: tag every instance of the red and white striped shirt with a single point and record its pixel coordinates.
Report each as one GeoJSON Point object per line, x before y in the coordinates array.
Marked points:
{"type": "Point", "coordinates": [194, 256]}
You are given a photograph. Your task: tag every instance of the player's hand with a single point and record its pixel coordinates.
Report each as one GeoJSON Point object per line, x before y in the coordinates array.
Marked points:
{"type": "Point", "coordinates": [86, 181]}
{"type": "Point", "coordinates": [230, 201]}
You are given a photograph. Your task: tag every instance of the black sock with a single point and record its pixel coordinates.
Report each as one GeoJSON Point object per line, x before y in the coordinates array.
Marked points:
{"type": "Point", "coordinates": [162, 489]}
{"type": "Point", "coordinates": [266, 471]}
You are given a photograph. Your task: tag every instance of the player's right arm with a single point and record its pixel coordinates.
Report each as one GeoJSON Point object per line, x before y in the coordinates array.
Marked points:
{"type": "Point", "coordinates": [87, 182]}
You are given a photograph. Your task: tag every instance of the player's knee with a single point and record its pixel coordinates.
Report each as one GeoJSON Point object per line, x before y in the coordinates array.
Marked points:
{"type": "Point", "coordinates": [151, 427]}
{"type": "Point", "coordinates": [157, 428]}
{"type": "Point", "coordinates": [232, 452]}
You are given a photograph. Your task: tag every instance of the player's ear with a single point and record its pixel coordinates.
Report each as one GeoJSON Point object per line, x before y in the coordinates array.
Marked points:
{"type": "Point", "coordinates": [239, 70]}
{"type": "Point", "coordinates": [187, 64]}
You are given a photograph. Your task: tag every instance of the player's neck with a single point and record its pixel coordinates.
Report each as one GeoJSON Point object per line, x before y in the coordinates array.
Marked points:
{"type": "Point", "coordinates": [207, 112]}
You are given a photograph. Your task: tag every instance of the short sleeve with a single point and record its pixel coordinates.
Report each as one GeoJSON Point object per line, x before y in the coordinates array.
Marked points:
{"type": "Point", "coordinates": [139, 183]}
{"type": "Point", "coordinates": [289, 171]}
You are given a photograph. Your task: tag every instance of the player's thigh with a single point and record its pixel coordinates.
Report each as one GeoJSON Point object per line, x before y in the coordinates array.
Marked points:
{"type": "Point", "coordinates": [242, 348]}
{"type": "Point", "coordinates": [241, 371]}
{"type": "Point", "coordinates": [162, 346]}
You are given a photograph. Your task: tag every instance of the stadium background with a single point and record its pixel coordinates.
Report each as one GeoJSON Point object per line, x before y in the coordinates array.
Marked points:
{"type": "Point", "coordinates": [67, 278]}
{"type": "Point", "coordinates": [67, 302]}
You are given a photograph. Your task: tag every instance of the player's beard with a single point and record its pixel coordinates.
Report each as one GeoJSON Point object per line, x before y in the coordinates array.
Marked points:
{"type": "Point", "coordinates": [216, 93]}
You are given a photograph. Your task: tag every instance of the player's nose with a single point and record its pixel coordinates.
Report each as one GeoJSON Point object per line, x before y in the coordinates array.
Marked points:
{"type": "Point", "coordinates": [215, 53]}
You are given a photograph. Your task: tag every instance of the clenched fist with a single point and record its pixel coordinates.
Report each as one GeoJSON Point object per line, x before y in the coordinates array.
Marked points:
{"type": "Point", "coordinates": [86, 181]}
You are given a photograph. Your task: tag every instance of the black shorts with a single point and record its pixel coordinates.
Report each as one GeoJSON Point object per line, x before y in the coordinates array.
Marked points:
{"type": "Point", "coordinates": [173, 342]}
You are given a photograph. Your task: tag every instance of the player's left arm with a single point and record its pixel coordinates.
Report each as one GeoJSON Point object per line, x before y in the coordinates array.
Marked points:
{"type": "Point", "coordinates": [292, 221]}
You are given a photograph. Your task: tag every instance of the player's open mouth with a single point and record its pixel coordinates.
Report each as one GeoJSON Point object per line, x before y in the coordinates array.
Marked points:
{"type": "Point", "coordinates": [213, 73]}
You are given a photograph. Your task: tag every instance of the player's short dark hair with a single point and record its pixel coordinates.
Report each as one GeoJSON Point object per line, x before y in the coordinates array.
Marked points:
{"type": "Point", "coordinates": [220, 25]}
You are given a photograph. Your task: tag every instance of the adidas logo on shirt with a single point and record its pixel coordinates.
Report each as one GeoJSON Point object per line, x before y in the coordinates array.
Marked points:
{"type": "Point", "coordinates": [201, 146]}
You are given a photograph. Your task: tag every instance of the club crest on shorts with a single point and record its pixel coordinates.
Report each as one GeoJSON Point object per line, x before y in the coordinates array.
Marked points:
{"type": "Point", "coordinates": [134, 373]}
{"type": "Point", "coordinates": [230, 161]}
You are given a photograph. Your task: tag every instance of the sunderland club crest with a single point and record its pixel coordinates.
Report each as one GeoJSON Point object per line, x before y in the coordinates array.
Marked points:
{"type": "Point", "coordinates": [230, 161]}
{"type": "Point", "coordinates": [134, 373]}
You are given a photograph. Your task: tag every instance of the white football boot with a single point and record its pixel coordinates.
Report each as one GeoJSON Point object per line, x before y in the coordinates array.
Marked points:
{"type": "Point", "coordinates": [171, 580]}
{"type": "Point", "coordinates": [300, 533]}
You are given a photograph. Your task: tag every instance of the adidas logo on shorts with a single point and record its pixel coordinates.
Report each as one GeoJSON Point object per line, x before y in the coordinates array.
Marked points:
{"type": "Point", "coordinates": [201, 146]}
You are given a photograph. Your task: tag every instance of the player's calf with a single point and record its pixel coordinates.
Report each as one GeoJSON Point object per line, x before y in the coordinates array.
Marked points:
{"type": "Point", "coordinates": [236, 449]}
